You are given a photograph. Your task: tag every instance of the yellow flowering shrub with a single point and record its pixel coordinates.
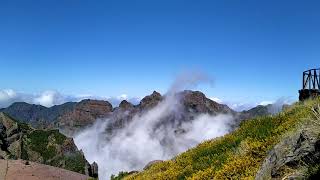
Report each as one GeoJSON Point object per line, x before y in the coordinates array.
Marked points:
{"type": "Point", "coordinates": [237, 155]}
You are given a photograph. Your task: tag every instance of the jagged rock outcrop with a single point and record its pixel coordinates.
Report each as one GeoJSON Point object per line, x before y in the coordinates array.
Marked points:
{"type": "Point", "coordinates": [150, 101]}
{"type": "Point", "coordinates": [197, 102]}
{"type": "Point", "coordinates": [84, 113]}
{"type": "Point", "coordinates": [21, 141]}
{"type": "Point", "coordinates": [121, 116]}
{"type": "Point", "coordinates": [290, 158]}
{"type": "Point", "coordinates": [125, 105]}
{"type": "Point", "coordinates": [93, 170]}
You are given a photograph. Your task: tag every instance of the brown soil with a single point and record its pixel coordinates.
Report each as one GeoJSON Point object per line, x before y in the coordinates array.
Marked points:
{"type": "Point", "coordinates": [21, 170]}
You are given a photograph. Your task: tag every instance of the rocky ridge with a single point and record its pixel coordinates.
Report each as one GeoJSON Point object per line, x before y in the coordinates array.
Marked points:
{"type": "Point", "coordinates": [71, 117]}
{"type": "Point", "coordinates": [83, 114]}
{"type": "Point", "coordinates": [21, 141]}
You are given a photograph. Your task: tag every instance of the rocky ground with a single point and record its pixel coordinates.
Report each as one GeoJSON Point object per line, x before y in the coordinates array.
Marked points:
{"type": "Point", "coordinates": [25, 170]}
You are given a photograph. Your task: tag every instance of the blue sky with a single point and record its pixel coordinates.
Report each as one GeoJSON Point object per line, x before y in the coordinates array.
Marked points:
{"type": "Point", "coordinates": [254, 50]}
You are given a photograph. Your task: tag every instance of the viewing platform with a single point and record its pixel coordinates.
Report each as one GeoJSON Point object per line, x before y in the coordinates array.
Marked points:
{"type": "Point", "coordinates": [310, 84]}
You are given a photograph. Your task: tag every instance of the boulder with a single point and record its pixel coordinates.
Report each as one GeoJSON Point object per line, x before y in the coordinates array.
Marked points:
{"type": "Point", "coordinates": [293, 152]}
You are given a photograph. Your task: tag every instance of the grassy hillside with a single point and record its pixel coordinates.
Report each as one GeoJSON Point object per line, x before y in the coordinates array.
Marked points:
{"type": "Point", "coordinates": [240, 154]}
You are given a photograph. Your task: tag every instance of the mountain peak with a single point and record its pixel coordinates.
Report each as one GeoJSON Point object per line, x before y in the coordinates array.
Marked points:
{"type": "Point", "coordinates": [125, 105]}
{"type": "Point", "coordinates": [151, 100]}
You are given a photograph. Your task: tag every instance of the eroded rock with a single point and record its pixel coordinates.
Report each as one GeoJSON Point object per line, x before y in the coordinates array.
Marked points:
{"type": "Point", "coordinates": [295, 151]}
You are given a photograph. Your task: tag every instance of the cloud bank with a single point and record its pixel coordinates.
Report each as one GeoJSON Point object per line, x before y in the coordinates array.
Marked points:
{"type": "Point", "coordinates": [150, 135]}
{"type": "Point", "coordinates": [50, 98]}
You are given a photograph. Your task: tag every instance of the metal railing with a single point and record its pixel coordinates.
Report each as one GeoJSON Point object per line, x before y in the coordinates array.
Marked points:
{"type": "Point", "coordinates": [311, 79]}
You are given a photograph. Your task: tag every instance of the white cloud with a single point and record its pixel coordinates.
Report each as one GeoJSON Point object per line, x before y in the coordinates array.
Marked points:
{"type": "Point", "coordinates": [50, 98]}
{"type": "Point", "coordinates": [7, 94]}
{"type": "Point", "coordinates": [237, 106]}
{"type": "Point", "coordinates": [216, 99]}
{"type": "Point", "coordinates": [126, 149]}
{"type": "Point", "coordinates": [123, 97]}
{"type": "Point", "coordinates": [264, 103]}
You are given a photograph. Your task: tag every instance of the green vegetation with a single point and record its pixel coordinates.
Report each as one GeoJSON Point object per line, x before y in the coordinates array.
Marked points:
{"type": "Point", "coordinates": [60, 138]}
{"type": "Point", "coordinates": [49, 153]}
{"type": "Point", "coordinates": [24, 153]}
{"type": "Point", "coordinates": [39, 142]}
{"type": "Point", "coordinates": [24, 127]}
{"type": "Point", "coordinates": [42, 146]}
{"type": "Point", "coordinates": [91, 178]}
{"type": "Point", "coordinates": [237, 155]}
{"type": "Point", "coordinates": [120, 176]}
{"type": "Point", "coordinates": [313, 172]}
{"type": "Point", "coordinates": [75, 162]}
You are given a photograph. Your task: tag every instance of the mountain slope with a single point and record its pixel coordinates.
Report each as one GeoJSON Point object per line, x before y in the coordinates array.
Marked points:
{"type": "Point", "coordinates": [83, 114]}
{"type": "Point", "coordinates": [37, 115]}
{"type": "Point", "coordinates": [257, 149]}
{"type": "Point", "coordinates": [69, 116]}
{"type": "Point", "coordinates": [21, 141]}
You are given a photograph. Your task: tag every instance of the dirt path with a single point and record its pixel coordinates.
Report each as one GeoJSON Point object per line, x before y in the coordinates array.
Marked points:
{"type": "Point", "coordinates": [3, 169]}
{"type": "Point", "coordinates": [18, 170]}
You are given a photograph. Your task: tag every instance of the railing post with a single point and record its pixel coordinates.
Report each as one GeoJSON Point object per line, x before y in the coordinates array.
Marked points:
{"type": "Point", "coordinates": [314, 78]}
{"type": "Point", "coordinates": [309, 75]}
{"type": "Point", "coordinates": [303, 79]}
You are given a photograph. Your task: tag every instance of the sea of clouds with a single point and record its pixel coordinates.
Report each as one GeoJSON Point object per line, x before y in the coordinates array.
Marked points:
{"type": "Point", "coordinates": [142, 140]}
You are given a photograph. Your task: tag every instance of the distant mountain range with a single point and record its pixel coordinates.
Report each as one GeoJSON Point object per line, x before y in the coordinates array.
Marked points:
{"type": "Point", "coordinates": [72, 116]}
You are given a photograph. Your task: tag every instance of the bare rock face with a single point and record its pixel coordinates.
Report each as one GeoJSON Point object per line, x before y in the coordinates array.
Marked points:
{"type": "Point", "coordinates": [293, 152]}
{"type": "Point", "coordinates": [85, 113]}
{"type": "Point", "coordinates": [125, 105]}
{"type": "Point", "coordinates": [96, 108]}
{"type": "Point", "coordinates": [121, 116]}
{"type": "Point", "coordinates": [197, 102]}
{"type": "Point", "coordinates": [93, 170]}
{"type": "Point", "coordinates": [150, 101]}
{"type": "Point", "coordinates": [9, 133]}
